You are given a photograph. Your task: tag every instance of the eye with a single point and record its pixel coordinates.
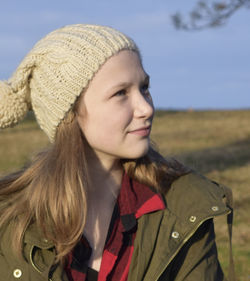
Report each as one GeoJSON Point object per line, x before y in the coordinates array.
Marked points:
{"type": "Point", "coordinates": [120, 93]}
{"type": "Point", "coordinates": [145, 89]}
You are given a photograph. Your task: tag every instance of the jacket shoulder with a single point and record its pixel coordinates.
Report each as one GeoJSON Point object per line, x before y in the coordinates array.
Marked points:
{"type": "Point", "coordinates": [195, 194]}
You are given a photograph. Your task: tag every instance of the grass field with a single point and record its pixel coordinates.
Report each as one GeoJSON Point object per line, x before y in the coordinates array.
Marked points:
{"type": "Point", "coordinates": [216, 143]}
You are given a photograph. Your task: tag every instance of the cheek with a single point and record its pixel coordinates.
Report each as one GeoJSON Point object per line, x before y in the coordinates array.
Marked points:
{"type": "Point", "coordinates": [102, 129]}
{"type": "Point", "coordinates": [106, 124]}
{"type": "Point", "coordinates": [114, 119]}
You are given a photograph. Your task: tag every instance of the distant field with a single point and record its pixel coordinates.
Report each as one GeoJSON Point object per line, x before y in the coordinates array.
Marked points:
{"type": "Point", "coordinates": [216, 143]}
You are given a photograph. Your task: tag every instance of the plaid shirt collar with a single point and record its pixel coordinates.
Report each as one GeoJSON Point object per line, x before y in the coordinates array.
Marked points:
{"type": "Point", "coordinates": [134, 200]}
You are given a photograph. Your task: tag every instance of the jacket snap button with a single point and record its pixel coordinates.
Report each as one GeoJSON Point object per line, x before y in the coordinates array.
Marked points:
{"type": "Point", "coordinates": [175, 234]}
{"type": "Point", "coordinates": [192, 219]}
{"type": "Point", "coordinates": [17, 273]}
{"type": "Point", "coordinates": [215, 208]}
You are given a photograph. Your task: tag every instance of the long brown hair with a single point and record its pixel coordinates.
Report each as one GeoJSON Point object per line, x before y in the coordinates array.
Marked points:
{"type": "Point", "coordinates": [51, 191]}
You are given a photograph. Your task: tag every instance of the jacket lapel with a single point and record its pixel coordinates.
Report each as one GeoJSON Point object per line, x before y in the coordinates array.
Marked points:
{"type": "Point", "coordinates": [191, 201]}
{"type": "Point", "coordinates": [145, 243]}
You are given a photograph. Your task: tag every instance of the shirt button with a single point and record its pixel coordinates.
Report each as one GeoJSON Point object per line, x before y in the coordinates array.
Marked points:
{"type": "Point", "coordinates": [215, 208]}
{"type": "Point", "coordinates": [175, 234]}
{"type": "Point", "coordinates": [192, 219]}
{"type": "Point", "coordinates": [17, 273]}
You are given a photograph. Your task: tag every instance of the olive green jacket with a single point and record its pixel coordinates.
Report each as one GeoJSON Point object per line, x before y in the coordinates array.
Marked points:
{"type": "Point", "coordinates": [174, 244]}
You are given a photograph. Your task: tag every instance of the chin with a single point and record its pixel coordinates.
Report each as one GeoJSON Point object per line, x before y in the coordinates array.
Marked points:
{"type": "Point", "coordinates": [135, 154]}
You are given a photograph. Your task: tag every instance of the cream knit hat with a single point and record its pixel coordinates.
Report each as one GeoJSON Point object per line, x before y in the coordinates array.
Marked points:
{"type": "Point", "coordinates": [55, 72]}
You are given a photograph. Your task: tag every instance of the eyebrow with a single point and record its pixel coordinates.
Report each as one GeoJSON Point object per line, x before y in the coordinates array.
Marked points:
{"type": "Point", "coordinates": [125, 84]}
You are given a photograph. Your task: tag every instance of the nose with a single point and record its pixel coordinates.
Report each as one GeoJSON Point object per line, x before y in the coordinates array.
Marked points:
{"type": "Point", "coordinates": [143, 106]}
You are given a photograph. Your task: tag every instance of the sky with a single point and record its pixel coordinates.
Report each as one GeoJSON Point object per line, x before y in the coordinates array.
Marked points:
{"type": "Point", "coordinates": [207, 69]}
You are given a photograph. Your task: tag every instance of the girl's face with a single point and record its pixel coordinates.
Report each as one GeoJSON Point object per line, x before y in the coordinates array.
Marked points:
{"type": "Point", "coordinates": [115, 113]}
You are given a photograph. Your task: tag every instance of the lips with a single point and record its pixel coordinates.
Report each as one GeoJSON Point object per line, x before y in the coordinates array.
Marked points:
{"type": "Point", "coordinates": [143, 131]}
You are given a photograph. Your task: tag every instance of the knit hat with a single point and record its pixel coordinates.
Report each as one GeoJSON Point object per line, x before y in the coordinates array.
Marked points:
{"type": "Point", "coordinates": [56, 71]}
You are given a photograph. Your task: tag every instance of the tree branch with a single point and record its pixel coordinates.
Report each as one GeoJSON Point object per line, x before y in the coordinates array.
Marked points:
{"type": "Point", "coordinates": [207, 14]}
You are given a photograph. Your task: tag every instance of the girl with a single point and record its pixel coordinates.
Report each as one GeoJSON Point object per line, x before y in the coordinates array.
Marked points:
{"type": "Point", "coordinates": [100, 203]}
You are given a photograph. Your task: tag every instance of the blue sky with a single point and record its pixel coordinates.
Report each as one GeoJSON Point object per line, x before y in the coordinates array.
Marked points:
{"type": "Point", "coordinates": [200, 70]}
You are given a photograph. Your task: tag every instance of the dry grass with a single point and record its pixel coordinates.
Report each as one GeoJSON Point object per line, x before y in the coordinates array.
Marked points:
{"type": "Point", "coordinates": [18, 144]}
{"type": "Point", "coordinates": [216, 143]}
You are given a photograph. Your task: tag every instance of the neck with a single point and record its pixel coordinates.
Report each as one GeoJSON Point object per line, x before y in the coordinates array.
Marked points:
{"type": "Point", "coordinates": [105, 175]}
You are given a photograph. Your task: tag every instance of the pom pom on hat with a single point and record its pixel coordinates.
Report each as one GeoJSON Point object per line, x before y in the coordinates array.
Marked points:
{"type": "Point", "coordinates": [13, 105]}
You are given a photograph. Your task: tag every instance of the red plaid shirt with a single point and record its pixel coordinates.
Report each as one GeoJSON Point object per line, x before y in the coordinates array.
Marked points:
{"type": "Point", "coordinates": [134, 200]}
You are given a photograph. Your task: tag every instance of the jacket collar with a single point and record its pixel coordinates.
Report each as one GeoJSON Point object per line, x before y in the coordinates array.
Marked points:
{"type": "Point", "coordinates": [34, 236]}
{"type": "Point", "coordinates": [191, 197]}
